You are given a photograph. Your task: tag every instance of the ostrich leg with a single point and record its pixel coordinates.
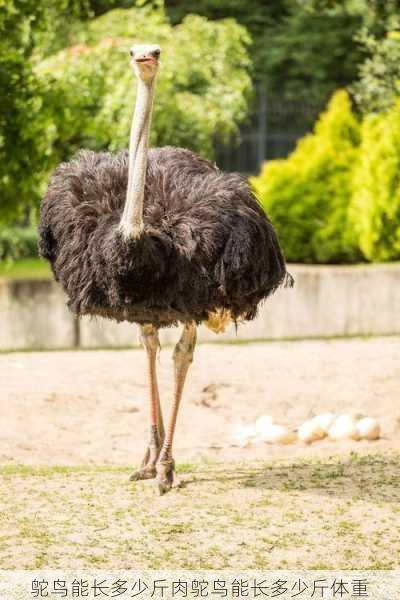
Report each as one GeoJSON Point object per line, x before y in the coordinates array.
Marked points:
{"type": "Point", "coordinates": [183, 357]}
{"type": "Point", "coordinates": [149, 338]}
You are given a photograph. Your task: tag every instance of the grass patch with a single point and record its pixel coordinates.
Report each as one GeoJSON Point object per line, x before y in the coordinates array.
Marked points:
{"type": "Point", "coordinates": [28, 268]}
{"type": "Point", "coordinates": [252, 515]}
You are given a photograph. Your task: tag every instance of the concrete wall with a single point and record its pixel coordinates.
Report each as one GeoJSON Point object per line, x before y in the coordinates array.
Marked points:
{"type": "Point", "coordinates": [33, 315]}
{"type": "Point", "coordinates": [326, 301]}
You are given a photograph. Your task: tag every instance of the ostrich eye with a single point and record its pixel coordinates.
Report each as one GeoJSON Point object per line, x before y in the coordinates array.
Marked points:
{"type": "Point", "coordinates": [156, 53]}
{"type": "Point", "coordinates": [131, 53]}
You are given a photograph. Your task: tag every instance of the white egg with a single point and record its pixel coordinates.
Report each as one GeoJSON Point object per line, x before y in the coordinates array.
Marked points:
{"type": "Point", "coordinates": [310, 431]}
{"type": "Point", "coordinates": [368, 428]}
{"type": "Point", "coordinates": [344, 427]}
{"type": "Point", "coordinates": [277, 434]}
{"type": "Point", "coordinates": [263, 423]}
{"type": "Point", "coordinates": [325, 421]}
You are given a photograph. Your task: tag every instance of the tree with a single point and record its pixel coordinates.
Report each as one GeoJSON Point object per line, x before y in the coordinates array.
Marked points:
{"type": "Point", "coordinates": [378, 82]}
{"type": "Point", "coordinates": [23, 122]}
{"type": "Point", "coordinates": [87, 91]}
{"type": "Point", "coordinates": [300, 51]}
{"type": "Point", "coordinates": [307, 55]}
{"type": "Point", "coordinates": [378, 86]}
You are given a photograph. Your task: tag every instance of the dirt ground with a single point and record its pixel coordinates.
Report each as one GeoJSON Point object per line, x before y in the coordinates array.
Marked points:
{"type": "Point", "coordinates": [73, 424]}
{"type": "Point", "coordinates": [335, 513]}
{"type": "Point", "coordinates": [83, 408]}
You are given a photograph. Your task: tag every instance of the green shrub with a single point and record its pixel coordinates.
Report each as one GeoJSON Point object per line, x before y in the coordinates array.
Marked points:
{"type": "Point", "coordinates": [307, 195]}
{"type": "Point", "coordinates": [375, 206]}
{"type": "Point", "coordinates": [18, 242]}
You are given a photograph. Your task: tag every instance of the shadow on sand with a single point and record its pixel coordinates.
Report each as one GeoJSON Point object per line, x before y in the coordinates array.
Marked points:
{"type": "Point", "coordinates": [371, 477]}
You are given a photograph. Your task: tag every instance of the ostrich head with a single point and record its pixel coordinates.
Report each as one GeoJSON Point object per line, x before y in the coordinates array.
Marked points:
{"type": "Point", "coordinates": [145, 60]}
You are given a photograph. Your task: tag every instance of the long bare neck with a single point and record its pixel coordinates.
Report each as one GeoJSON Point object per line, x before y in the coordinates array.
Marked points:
{"type": "Point", "coordinates": [131, 224]}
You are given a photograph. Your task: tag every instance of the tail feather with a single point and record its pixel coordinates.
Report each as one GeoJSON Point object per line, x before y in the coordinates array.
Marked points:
{"type": "Point", "coordinates": [218, 320]}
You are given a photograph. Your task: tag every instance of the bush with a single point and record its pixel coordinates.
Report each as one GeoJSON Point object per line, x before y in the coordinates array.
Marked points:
{"type": "Point", "coordinates": [18, 242]}
{"type": "Point", "coordinates": [307, 196]}
{"type": "Point", "coordinates": [375, 206]}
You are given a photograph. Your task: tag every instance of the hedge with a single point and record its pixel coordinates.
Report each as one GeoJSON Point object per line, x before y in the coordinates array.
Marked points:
{"type": "Point", "coordinates": [307, 195]}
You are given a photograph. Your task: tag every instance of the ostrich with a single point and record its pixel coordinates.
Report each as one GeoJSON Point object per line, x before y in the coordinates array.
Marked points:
{"type": "Point", "coordinates": [158, 237]}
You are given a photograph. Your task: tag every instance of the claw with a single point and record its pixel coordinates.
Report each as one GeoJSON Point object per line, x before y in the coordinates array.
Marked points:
{"type": "Point", "coordinates": [148, 472]}
{"type": "Point", "coordinates": [147, 467]}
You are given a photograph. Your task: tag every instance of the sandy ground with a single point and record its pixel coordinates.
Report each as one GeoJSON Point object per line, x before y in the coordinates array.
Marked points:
{"type": "Point", "coordinates": [340, 513]}
{"type": "Point", "coordinates": [76, 408]}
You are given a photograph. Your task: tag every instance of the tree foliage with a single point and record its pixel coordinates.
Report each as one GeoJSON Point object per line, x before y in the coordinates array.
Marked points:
{"type": "Point", "coordinates": [24, 25]}
{"type": "Point", "coordinates": [378, 86]}
{"type": "Point", "coordinates": [83, 96]}
{"type": "Point", "coordinates": [378, 82]}
{"type": "Point", "coordinates": [201, 95]}
{"type": "Point", "coordinates": [308, 55]}
{"type": "Point", "coordinates": [305, 49]}
{"type": "Point", "coordinates": [300, 51]}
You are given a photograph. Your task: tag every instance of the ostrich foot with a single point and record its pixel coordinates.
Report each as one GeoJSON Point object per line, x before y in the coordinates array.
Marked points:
{"type": "Point", "coordinates": [148, 467]}
{"type": "Point", "coordinates": [166, 477]}
{"type": "Point", "coordinates": [146, 472]}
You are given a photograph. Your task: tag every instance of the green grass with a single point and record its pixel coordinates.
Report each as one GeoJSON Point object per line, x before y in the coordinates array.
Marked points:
{"type": "Point", "coordinates": [28, 268]}
{"type": "Point", "coordinates": [338, 512]}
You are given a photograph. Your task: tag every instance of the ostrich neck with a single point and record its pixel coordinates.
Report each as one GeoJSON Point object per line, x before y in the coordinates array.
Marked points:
{"type": "Point", "coordinates": [131, 224]}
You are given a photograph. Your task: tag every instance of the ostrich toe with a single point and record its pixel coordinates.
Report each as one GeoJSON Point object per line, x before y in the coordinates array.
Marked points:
{"type": "Point", "coordinates": [147, 472]}
{"type": "Point", "coordinates": [147, 469]}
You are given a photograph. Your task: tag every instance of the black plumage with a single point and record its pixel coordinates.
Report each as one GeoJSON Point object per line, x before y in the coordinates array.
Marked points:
{"type": "Point", "coordinates": [207, 244]}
